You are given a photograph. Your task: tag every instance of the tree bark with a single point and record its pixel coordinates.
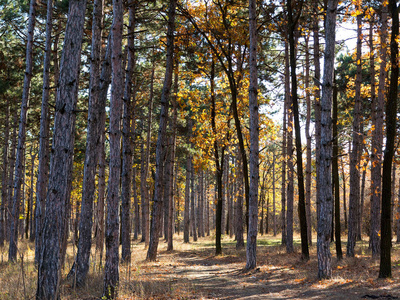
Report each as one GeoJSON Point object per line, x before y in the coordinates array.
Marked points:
{"type": "Point", "coordinates": [19, 162]}
{"type": "Point", "coordinates": [62, 153]}
{"type": "Point", "coordinates": [127, 139]}
{"type": "Point", "coordinates": [385, 269]}
{"type": "Point", "coordinates": [160, 149]}
{"type": "Point", "coordinates": [111, 269]}
{"type": "Point", "coordinates": [355, 154]}
{"type": "Point", "coordinates": [251, 250]}
{"type": "Point", "coordinates": [377, 134]}
{"type": "Point", "coordinates": [325, 173]}
{"type": "Point", "coordinates": [81, 265]}
{"type": "Point", "coordinates": [44, 157]}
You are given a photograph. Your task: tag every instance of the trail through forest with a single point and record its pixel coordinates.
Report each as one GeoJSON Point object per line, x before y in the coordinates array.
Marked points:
{"type": "Point", "coordinates": [192, 271]}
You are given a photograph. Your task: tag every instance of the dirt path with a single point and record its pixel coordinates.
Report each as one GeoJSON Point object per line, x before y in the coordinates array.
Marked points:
{"type": "Point", "coordinates": [197, 274]}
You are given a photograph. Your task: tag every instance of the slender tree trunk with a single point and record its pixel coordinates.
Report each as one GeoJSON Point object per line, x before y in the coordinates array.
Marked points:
{"type": "Point", "coordinates": [391, 109]}
{"type": "Point", "coordinates": [172, 164]}
{"type": "Point", "coordinates": [136, 207]}
{"type": "Point", "coordinates": [239, 207]}
{"type": "Point", "coordinates": [344, 195]}
{"type": "Point", "coordinates": [251, 250]}
{"type": "Point", "coordinates": [127, 140]}
{"type": "Point", "coordinates": [283, 184]}
{"type": "Point", "coordinates": [11, 165]}
{"type": "Point", "coordinates": [355, 154]}
{"type": "Point", "coordinates": [160, 149]}
{"type": "Point", "coordinates": [201, 204]}
{"type": "Point", "coordinates": [377, 136]}
{"type": "Point", "coordinates": [317, 96]}
{"type": "Point", "coordinates": [289, 147]}
{"type": "Point", "coordinates": [18, 177]}
{"type": "Point", "coordinates": [309, 140]}
{"type": "Point", "coordinates": [44, 157]}
{"type": "Point", "coordinates": [193, 204]}
{"type": "Point", "coordinates": [186, 219]}
{"type": "Point", "coordinates": [335, 173]}
{"type": "Point", "coordinates": [300, 177]}
{"type": "Point", "coordinates": [325, 173]}
{"type": "Point", "coordinates": [81, 265]}
{"type": "Point", "coordinates": [111, 268]}
{"type": "Point", "coordinates": [144, 190]}
{"type": "Point", "coordinates": [62, 154]}
{"type": "Point", "coordinates": [4, 177]}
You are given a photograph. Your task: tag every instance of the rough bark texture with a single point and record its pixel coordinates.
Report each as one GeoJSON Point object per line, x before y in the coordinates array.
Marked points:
{"type": "Point", "coordinates": [127, 141]}
{"type": "Point", "coordinates": [81, 265]}
{"type": "Point", "coordinates": [111, 269]}
{"type": "Point", "coordinates": [62, 153]}
{"type": "Point", "coordinates": [19, 162]}
{"type": "Point", "coordinates": [377, 139]}
{"type": "Point", "coordinates": [325, 173]}
{"type": "Point", "coordinates": [193, 216]}
{"type": "Point", "coordinates": [283, 167]}
{"type": "Point", "coordinates": [44, 157]}
{"type": "Point", "coordinates": [251, 250]}
{"type": "Point", "coordinates": [239, 207]}
{"type": "Point", "coordinates": [355, 154]}
{"type": "Point", "coordinates": [161, 145]}
{"type": "Point", "coordinates": [385, 269]}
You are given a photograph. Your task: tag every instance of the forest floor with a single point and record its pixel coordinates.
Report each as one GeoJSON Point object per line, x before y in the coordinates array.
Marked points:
{"type": "Point", "coordinates": [192, 271]}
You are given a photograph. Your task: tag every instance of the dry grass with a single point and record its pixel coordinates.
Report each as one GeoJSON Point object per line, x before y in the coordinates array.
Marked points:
{"type": "Point", "coordinates": [192, 271]}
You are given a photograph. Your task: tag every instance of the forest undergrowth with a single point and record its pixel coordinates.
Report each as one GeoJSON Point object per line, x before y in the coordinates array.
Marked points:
{"type": "Point", "coordinates": [192, 271]}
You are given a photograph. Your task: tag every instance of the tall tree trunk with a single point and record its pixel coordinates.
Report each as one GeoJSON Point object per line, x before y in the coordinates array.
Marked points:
{"type": "Point", "coordinates": [127, 139]}
{"type": "Point", "coordinates": [111, 268]}
{"type": "Point", "coordinates": [81, 265]}
{"type": "Point", "coordinates": [317, 95]}
{"type": "Point", "coordinates": [144, 190]}
{"type": "Point", "coordinates": [309, 140]}
{"type": "Point", "coordinates": [19, 167]}
{"type": "Point", "coordinates": [325, 173]}
{"type": "Point", "coordinates": [172, 163]}
{"type": "Point", "coordinates": [355, 154]}
{"type": "Point", "coordinates": [251, 250]}
{"type": "Point", "coordinates": [289, 149]}
{"type": "Point", "coordinates": [335, 173]}
{"type": "Point", "coordinates": [62, 155]}
{"type": "Point", "coordinates": [186, 219]}
{"type": "Point", "coordinates": [105, 80]}
{"type": "Point", "coordinates": [160, 149]}
{"type": "Point", "coordinates": [377, 135]}
{"type": "Point", "coordinates": [201, 205]}
{"type": "Point", "coordinates": [136, 207]}
{"type": "Point", "coordinates": [344, 195]}
{"type": "Point", "coordinates": [284, 157]}
{"type": "Point", "coordinates": [300, 177]}
{"type": "Point", "coordinates": [391, 109]}
{"type": "Point", "coordinates": [44, 157]}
